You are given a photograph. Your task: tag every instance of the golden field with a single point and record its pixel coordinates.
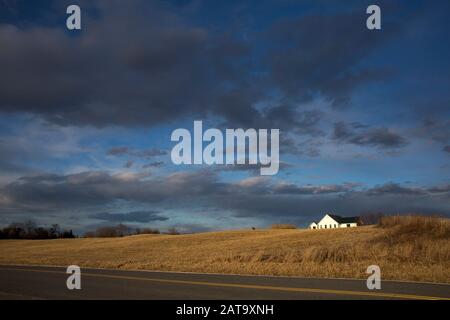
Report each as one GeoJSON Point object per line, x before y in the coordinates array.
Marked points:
{"type": "Point", "coordinates": [406, 248]}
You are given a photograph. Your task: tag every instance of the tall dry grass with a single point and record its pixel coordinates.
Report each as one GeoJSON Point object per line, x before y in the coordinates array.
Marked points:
{"type": "Point", "coordinates": [283, 226]}
{"type": "Point", "coordinates": [415, 225]}
{"type": "Point", "coordinates": [405, 248]}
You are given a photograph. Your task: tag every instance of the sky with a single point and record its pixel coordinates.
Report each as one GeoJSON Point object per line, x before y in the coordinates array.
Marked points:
{"type": "Point", "coordinates": [86, 115]}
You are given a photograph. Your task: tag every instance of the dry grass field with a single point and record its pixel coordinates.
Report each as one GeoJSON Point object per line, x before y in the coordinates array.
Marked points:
{"type": "Point", "coordinates": [406, 248]}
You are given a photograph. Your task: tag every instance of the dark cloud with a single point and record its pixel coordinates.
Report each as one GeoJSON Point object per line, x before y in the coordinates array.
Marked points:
{"type": "Point", "coordinates": [292, 144]}
{"type": "Point", "coordinates": [144, 63]}
{"type": "Point", "coordinates": [290, 188]}
{"type": "Point", "coordinates": [146, 153]}
{"type": "Point", "coordinates": [153, 164]}
{"type": "Point", "coordinates": [324, 62]}
{"type": "Point", "coordinates": [116, 151]}
{"type": "Point", "coordinates": [367, 136]}
{"type": "Point", "coordinates": [446, 149]}
{"type": "Point", "coordinates": [304, 209]}
{"type": "Point", "coordinates": [134, 216]}
{"type": "Point", "coordinates": [155, 69]}
{"type": "Point", "coordinates": [49, 178]}
{"type": "Point", "coordinates": [147, 63]}
{"type": "Point", "coordinates": [395, 189]}
{"type": "Point", "coordinates": [149, 153]}
{"type": "Point", "coordinates": [50, 192]}
{"type": "Point", "coordinates": [440, 189]}
{"type": "Point", "coordinates": [253, 168]}
{"type": "Point", "coordinates": [288, 117]}
{"type": "Point", "coordinates": [435, 129]}
{"type": "Point", "coordinates": [303, 203]}
{"type": "Point", "coordinates": [252, 197]}
{"type": "Point", "coordinates": [129, 164]}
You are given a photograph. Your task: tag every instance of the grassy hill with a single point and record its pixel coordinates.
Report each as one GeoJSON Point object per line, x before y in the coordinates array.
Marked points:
{"type": "Point", "coordinates": [406, 248]}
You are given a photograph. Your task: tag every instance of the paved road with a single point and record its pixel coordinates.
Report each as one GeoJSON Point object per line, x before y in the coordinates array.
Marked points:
{"type": "Point", "coordinates": [26, 282]}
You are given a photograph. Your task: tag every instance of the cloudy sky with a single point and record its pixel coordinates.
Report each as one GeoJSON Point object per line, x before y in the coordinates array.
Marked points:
{"type": "Point", "coordinates": [86, 116]}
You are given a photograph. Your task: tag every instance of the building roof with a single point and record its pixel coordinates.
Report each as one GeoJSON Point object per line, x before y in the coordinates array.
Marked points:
{"type": "Point", "coordinates": [340, 219]}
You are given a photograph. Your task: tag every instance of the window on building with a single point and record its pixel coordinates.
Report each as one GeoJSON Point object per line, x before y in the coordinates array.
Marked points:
{"type": "Point", "coordinates": [348, 225]}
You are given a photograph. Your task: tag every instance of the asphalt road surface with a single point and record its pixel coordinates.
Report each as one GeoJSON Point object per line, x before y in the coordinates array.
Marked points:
{"type": "Point", "coordinates": [31, 282]}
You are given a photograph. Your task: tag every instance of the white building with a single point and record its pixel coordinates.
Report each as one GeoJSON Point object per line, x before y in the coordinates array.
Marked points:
{"type": "Point", "coordinates": [331, 221]}
{"type": "Point", "coordinates": [313, 225]}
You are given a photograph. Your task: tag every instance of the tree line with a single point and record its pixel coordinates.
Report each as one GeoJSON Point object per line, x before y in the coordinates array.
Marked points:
{"type": "Point", "coordinates": [29, 230]}
{"type": "Point", "coordinates": [122, 230]}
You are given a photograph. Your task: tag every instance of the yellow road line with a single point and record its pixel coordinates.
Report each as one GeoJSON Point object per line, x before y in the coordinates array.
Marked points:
{"type": "Point", "coordinates": [251, 286]}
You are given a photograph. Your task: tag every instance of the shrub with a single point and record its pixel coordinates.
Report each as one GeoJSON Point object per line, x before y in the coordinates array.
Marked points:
{"type": "Point", "coordinates": [89, 234]}
{"type": "Point", "coordinates": [173, 231]}
{"type": "Point", "coordinates": [147, 231]}
{"type": "Point", "coordinates": [120, 230]}
{"type": "Point", "coordinates": [370, 218]}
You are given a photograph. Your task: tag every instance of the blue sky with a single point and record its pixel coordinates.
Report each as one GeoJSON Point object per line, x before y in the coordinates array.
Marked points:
{"type": "Point", "coordinates": [86, 116]}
